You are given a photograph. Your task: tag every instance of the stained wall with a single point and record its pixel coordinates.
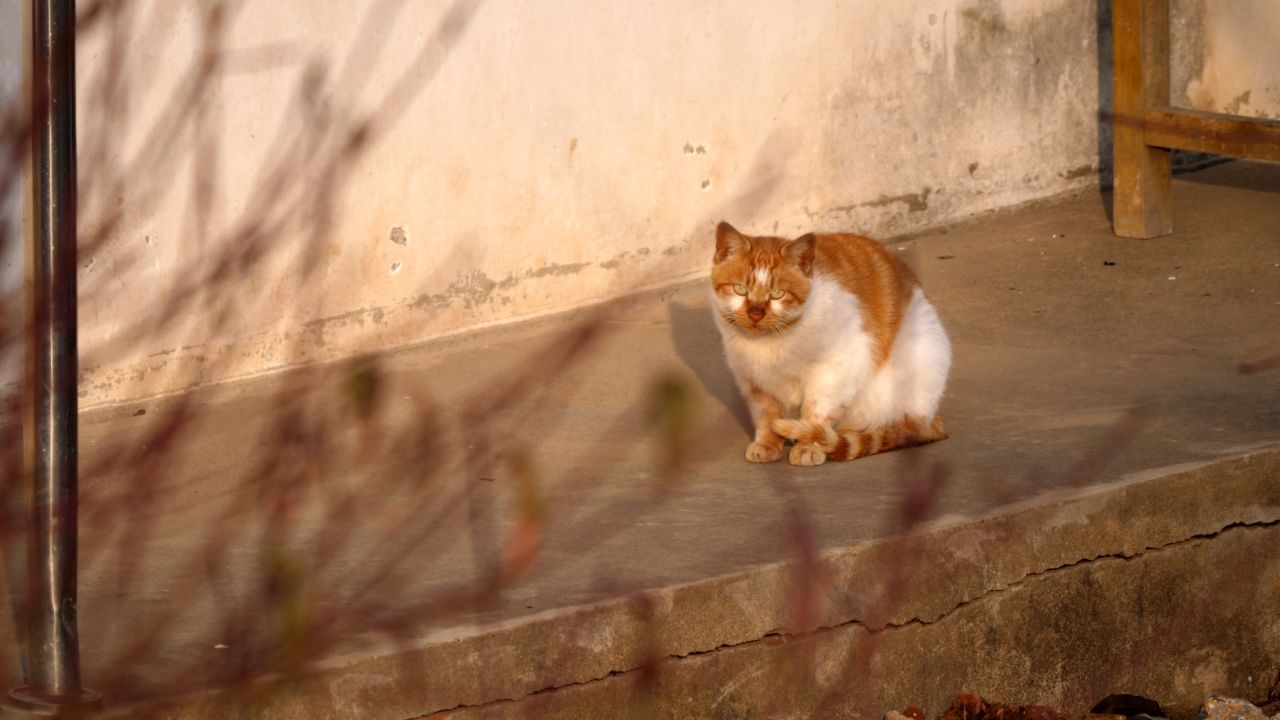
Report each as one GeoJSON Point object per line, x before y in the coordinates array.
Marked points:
{"type": "Point", "coordinates": [284, 183]}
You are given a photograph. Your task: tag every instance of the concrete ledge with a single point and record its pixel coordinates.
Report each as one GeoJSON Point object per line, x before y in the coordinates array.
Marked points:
{"type": "Point", "coordinates": [1175, 623]}
{"type": "Point", "coordinates": [1141, 585]}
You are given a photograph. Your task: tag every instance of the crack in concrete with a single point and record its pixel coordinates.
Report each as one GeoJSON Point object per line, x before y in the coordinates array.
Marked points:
{"type": "Point", "coordinates": [1121, 556]}
{"type": "Point", "coordinates": [888, 626]}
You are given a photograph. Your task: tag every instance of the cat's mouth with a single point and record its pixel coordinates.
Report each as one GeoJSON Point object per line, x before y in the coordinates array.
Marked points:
{"type": "Point", "coordinates": [754, 328]}
{"type": "Point", "coordinates": [751, 328]}
{"type": "Point", "coordinates": [765, 327]}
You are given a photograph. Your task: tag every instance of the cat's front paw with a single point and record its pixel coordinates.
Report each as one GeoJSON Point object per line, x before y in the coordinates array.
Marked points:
{"type": "Point", "coordinates": [764, 452]}
{"type": "Point", "coordinates": [807, 454]}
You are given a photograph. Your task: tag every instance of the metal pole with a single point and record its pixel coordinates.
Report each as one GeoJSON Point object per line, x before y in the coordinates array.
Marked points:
{"type": "Point", "coordinates": [53, 654]}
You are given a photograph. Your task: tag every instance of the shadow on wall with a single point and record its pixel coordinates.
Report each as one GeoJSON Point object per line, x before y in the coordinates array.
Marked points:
{"type": "Point", "coordinates": [697, 342]}
{"type": "Point", "coordinates": [1106, 105]}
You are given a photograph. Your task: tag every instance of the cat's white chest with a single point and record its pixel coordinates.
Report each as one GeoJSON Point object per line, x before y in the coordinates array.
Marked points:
{"type": "Point", "coordinates": [828, 340]}
{"type": "Point", "coordinates": [769, 363]}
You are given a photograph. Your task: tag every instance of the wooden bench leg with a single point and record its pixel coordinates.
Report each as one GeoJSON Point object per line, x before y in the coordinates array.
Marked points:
{"type": "Point", "coordinates": [1142, 202]}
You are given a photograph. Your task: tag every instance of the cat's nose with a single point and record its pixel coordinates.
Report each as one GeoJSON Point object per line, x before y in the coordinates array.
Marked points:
{"type": "Point", "coordinates": [755, 312]}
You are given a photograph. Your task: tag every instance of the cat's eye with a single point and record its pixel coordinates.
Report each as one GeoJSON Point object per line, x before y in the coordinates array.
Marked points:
{"type": "Point", "coordinates": [777, 294]}
{"type": "Point", "coordinates": [740, 289]}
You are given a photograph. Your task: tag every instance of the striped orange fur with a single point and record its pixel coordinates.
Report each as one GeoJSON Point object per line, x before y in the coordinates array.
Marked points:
{"type": "Point", "coordinates": [881, 281]}
{"type": "Point", "coordinates": [849, 444]}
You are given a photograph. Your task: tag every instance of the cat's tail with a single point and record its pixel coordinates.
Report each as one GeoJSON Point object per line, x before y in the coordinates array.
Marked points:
{"type": "Point", "coordinates": [848, 444]}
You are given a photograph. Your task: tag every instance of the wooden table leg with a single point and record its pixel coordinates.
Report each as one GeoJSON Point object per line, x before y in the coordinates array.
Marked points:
{"type": "Point", "coordinates": [1142, 203]}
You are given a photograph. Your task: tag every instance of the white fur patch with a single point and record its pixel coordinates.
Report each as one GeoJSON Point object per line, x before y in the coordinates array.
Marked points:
{"type": "Point", "coordinates": [762, 277]}
{"type": "Point", "coordinates": [914, 378]}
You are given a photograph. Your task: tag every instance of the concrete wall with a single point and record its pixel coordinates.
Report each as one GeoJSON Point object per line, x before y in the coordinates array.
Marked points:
{"type": "Point", "coordinates": [293, 182]}
{"type": "Point", "coordinates": [11, 206]}
{"type": "Point", "coordinates": [1226, 56]}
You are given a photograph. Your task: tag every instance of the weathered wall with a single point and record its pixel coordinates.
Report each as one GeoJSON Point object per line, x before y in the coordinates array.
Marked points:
{"type": "Point", "coordinates": [1226, 57]}
{"type": "Point", "coordinates": [293, 182]}
{"type": "Point", "coordinates": [11, 206]}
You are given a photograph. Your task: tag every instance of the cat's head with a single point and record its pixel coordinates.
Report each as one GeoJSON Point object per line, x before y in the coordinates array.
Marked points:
{"type": "Point", "coordinates": [761, 283]}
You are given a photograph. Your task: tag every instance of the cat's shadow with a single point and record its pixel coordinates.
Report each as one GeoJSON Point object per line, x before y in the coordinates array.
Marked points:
{"type": "Point", "coordinates": [697, 342]}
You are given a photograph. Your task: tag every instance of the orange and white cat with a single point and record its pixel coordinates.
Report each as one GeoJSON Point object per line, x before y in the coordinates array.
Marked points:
{"type": "Point", "coordinates": [836, 328]}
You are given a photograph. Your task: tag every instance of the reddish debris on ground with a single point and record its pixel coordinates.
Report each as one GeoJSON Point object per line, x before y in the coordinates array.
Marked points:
{"type": "Point", "coordinates": [914, 712]}
{"type": "Point", "coordinates": [966, 707]}
{"type": "Point", "coordinates": [973, 707]}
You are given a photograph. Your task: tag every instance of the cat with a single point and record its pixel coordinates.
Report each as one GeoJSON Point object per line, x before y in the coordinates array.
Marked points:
{"type": "Point", "coordinates": [833, 326]}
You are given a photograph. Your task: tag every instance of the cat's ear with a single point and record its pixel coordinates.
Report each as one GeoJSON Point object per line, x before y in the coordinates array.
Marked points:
{"type": "Point", "coordinates": [799, 252]}
{"type": "Point", "coordinates": [729, 242]}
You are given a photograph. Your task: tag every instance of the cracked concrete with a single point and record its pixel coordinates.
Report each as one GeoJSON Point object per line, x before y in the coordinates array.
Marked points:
{"type": "Point", "coordinates": [930, 565]}
{"type": "Point", "coordinates": [1150, 623]}
{"type": "Point", "coordinates": [1107, 521]}
{"type": "Point", "coordinates": [539, 704]}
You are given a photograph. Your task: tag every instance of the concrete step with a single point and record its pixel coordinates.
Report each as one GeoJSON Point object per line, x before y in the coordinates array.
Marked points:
{"type": "Point", "coordinates": [349, 541]}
